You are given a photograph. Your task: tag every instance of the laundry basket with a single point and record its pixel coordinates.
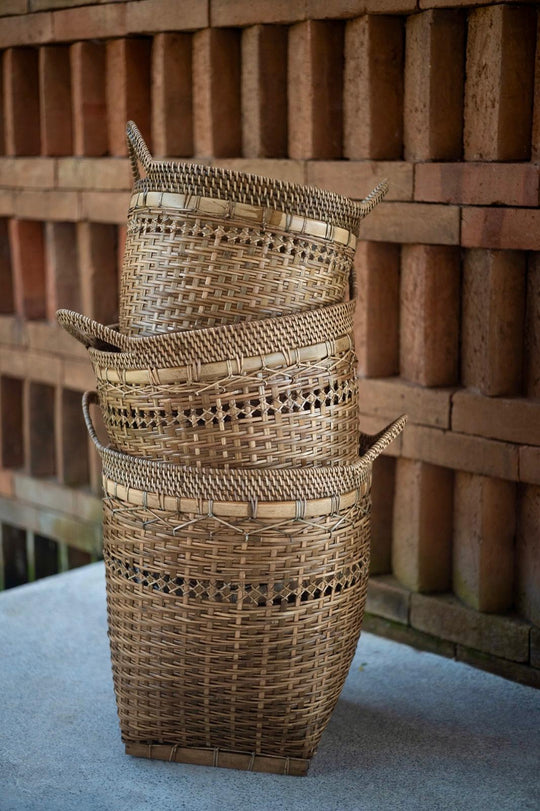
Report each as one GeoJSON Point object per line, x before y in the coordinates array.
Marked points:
{"type": "Point", "coordinates": [208, 246]}
{"type": "Point", "coordinates": [235, 601]}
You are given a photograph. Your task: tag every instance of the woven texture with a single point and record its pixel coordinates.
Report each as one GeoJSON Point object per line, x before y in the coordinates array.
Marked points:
{"type": "Point", "coordinates": [206, 247]}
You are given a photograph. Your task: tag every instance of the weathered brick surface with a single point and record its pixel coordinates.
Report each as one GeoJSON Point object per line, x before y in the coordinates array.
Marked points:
{"type": "Point", "coordinates": [172, 108]}
{"type": "Point", "coordinates": [510, 228]}
{"type": "Point", "coordinates": [522, 674]}
{"type": "Point", "coordinates": [377, 310]}
{"type": "Point", "coordinates": [315, 89]}
{"type": "Point", "coordinates": [509, 419]}
{"type": "Point", "coordinates": [532, 328]}
{"type": "Point", "coordinates": [28, 262]}
{"type": "Point", "coordinates": [407, 635]}
{"type": "Point", "coordinates": [480, 184]}
{"type": "Point", "coordinates": [163, 15]}
{"type": "Point", "coordinates": [73, 24]}
{"type": "Point", "coordinates": [247, 12]}
{"type": "Point", "coordinates": [493, 312]}
{"type": "Point", "coordinates": [412, 223]}
{"type": "Point", "coordinates": [264, 91]}
{"type": "Point", "coordinates": [421, 546]}
{"type": "Point", "coordinates": [390, 396]}
{"type": "Point", "coordinates": [26, 30]}
{"type": "Point", "coordinates": [382, 497]}
{"type": "Point", "coordinates": [37, 173]}
{"type": "Point", "coordinates": [88, 67]}
{"type": "Point", "coordinates": [528, 554]}
{"type": "Point", "coordinates": [6, 275]}
{"type": "Point", "coordinates": [21, 101]}
{"type": "Point", "coordinates": [11, 422]}
{"type": "Point", "coordinates": [128, 90]}
{"type": "Point", "coordinates": [39, 428]}
{"type": "Point", "coordinates": [386, 598]}
{"type": "Point", "coordinates": [73, 468]}
{"type": "Point", "coordinates": [433, 102]}
{"type": "Point", "coordinates": [535, 137]}
{"type": "Point", "coordinates": [110, 174]}
{"type": "Point", "coordinates": [499, 86]}
{"type": "Point", "coordinates": [105, 207]}
{"type": "Point", "coordinates": [54, 204]}
{"type": "Point", "coordinates": [55, 100]}
{"type": "Point", "coordinates": [356, 178]}
{"type": "Point", "coordinates": [529, 464]}
{"type": "Point", "coordinates": [429, 318]}
{"type": "Point", "coordinates": [483, 544]}
{"type": "Point", "coordinates": [61, 262]}
{"type": "Point", "coordinates": [98, 268]}
{"type": "Point", "coordinates": [216, 92]}
{"type": "Point", "coordinates": [373, 88]}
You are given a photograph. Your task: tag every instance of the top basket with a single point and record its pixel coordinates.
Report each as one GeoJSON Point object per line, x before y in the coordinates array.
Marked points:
{"type": "Point", "coordinates": [208, 246]}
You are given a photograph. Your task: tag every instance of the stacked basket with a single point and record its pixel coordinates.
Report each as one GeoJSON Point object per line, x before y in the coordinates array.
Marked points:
{"type": "Point", "coordinates": [236, 482]}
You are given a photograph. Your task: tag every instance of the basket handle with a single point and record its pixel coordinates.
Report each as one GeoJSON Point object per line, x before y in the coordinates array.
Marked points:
{"type": "Point", "coordinates": [91, 333]}
{"type": "Point", "coordinates": [90, 398]}
{"type": "Point", "coordinates": [373, 198]}
{"type": "Point", "coordinates": [372, 445]}
{"type": "Point", "coordinates": [138, 151]}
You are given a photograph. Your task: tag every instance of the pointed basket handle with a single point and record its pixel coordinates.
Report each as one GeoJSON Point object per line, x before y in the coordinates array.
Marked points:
{"type": "Point", "coordinates": [372, 445]}
{"type": "Point", "coordinates": [139, 154]}
{"type": "Point", "coordinates": [91, 333]}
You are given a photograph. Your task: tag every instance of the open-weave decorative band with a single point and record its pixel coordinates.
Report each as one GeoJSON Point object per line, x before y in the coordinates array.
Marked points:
{"type": "Point", "coordinates": [268, 218]}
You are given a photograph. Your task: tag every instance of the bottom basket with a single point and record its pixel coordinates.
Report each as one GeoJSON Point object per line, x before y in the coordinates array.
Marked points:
{"type": "Point", "coordinates": [235, 601]}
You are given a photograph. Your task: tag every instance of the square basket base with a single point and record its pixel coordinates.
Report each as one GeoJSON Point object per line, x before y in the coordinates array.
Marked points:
{"type": "Point", "coordinates": [222, 758]}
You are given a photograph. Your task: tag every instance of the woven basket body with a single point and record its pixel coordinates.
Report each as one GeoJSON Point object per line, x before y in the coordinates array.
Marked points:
{"type": "Point", "coordinates": [235, 603]}
{"type": "Point", "coordinates": [206, 246]}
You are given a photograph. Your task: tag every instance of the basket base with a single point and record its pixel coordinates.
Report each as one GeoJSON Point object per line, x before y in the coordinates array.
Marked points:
{"type": "Point", "coordinates": [223, 758]}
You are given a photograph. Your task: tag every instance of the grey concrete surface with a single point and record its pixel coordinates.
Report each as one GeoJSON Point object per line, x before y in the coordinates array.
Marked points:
{"type": "Point", "coordinates": [411, 730]}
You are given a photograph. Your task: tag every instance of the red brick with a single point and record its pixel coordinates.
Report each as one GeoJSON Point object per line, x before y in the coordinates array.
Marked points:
{"type": "Point", "coordinates": [535, 145]}
{"type": "Point", "coordinates": [373, 88]}
{"type": "Point", "coordinates": [78, 375]}
{"type": "Point", "coordinates": [509, 184]}
{"type": "Point", "coordinates": [447, 618]}
{"type": "Point", "coordinates": [461, 451]}
{"type": "Point", "coordinates": [483, 548]}
{"type": "Point", "coordinates": [88, 98]}
{"type": "Point", "coordinates": [264, 91]}
{"type": "Point", "coordinates": [386, 598]}
{"type": "Point", "coordinates": [105, 206]}
{"type": "Point", "coordinates": [356, 178]}
{"type": "Point", "coordinates": [27, 172]}
{"type": "Point", "coordinates": [128, 90]}
{"type": "Point", "coordinates": [7, 203]}
{"type": "Point", "coordinates": [493, 312]}
{"type": "Point", "coordinates": [25, 29]}
{"type": "Point", "coordinates": [217, 128]}
{"type": "Point", "coordinates": [109, 20]}
{"type": "Point", "coordinates": [532, 328]}
{"type": "Point", "coordinates": [412, 223]}
{"type": "Point", "coordinates": [248, 12]}
{"type": "Point", "coordinates": [452, 3]}
{"type": "Point", "coordinates": [391, 396]}
{"type": "Point", "coordinates": [2, 109]}
{"type": "Point", "coordinates": [61, 267]}
{"type": "Point", "coordinates": [528, 554]}
{"type": "Point", "coordinates": [172, 105]}
{"type": "Point", "coordinates": [10, 7]}
{"type": "Point", "coordinates": [434, 75]}
{"type": "Point", "coordinates": [110, 174]}
{"type": "Point", "coordinates": [510, 228]}
{"type": "Point", "coordinates": [6, 483]}
{"type": "Point", "coordinates": [509, 419]}
{"type": "Point", "coordinates": [499, 86]}
{"type": "Point", "coordinates": [529, 465]}
{"type": "Point", "coordinates": [39, 408]}
{"type": "Point", "coordinates": [21, 101]}
{"type": "Point", "coordinates": [382, 500]}
{"type": "Point", "coordinates": [54, 204]}
{"type": "Point", "coordinates": [55, 100]}
{"type": "Point", "coordinates": [164, 15]}
{"type": "Point", "coordinates": [429, 318]}
{"type": "Point", "coordinates": [72, 445]}
{"type": "Point", "coordinates": [51, 338]}
{"type": "Point", "coordinates": [290, 171]}
{"type": "Point", "coordinates": [11, 422]}
{"type": "Point", "coordinates": [421, 550]}
{"type": "Point", "coordinates": [321, 9]}
{"type": "Point", "coordinates": [6, 277]}
{"type": "Point", "coordinates": [28, 259]}
{"type": "Point", "coordinates": [98, 268]}
{"type": "Point", "coordinates": [377, 311]}
{"type": "Point", "coordinates": [315, 89]}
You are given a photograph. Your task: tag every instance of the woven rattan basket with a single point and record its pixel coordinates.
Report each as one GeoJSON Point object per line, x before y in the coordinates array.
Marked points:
{"type": "Point", "coordinates": [288, 408]}
{"type": "Point", "coordinates": [208, 246]}
{"type": "Point", "coordinates": [235, 601]}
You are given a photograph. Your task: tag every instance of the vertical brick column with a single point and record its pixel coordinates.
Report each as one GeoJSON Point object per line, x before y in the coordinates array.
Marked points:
{"type": "Point", "coordinates": [97, 248]}
{"type": "Point", "coordinates": [55, 100]}
{"type": "Point", "coordinates": [422, 542]}
{"type": "Point", "coordinates": [483, 550]}
{"type": "Point", "coordinates": [316, 89]}
{"type": "Point", "coordinates": [28, 258]}
{"type": "Point", "coordinates": [88, 98]}
{"type": "Point", "coordinates": [71, 440]}
{"type": "Point", "coordinates": [172, 107]}
{"type": "Point", "coordinates": [528, 554]}
{"type": "Point", "coordinates": [264, 91]}
{"type": "Point", "coordinates": [14, 556]}
{"type": "Point", "coordinates": [11, 422]}
{"type": "Point", "coordinates": [373, 88]}
{"type": "Point", "coordinates": [382, 498]}
{"type": "Point", "coordinates": [128, 90]}
{"type": "Point", "coordinates": [535, 146]}
{"type": "Point", "coordinates": [21, 101]}
{"type": "Point", "coordinates": [6, 278]}
{"type": "Point", "coordinates": [493, 313]}
{"type": "Point", "coordinates": [377, 310]}
{"type": "Point", "coordinates": [434, 75]}
{"type": "Point", "coordinates": [429, 327]}
{"type": "Point", "coordinates": [217, 126]}
{"type": "Point", "coordinates": [2, 110]}
{"type": "Point", "coordinates": [500, 80]}
{"type": "Point", "coordinates": [532, 328]}
{"type": "Point", "coordinates": [61, 261]}
{"type": "Point", "coordinates": [39, 410]}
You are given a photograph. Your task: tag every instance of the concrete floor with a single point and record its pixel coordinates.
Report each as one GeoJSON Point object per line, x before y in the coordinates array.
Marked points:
{"type": "Point", "coordinates": [411, 730]}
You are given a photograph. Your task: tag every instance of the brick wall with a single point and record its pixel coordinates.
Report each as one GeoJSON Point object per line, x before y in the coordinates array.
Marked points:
{"type": "Point", "coordinates": [441, 97]}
